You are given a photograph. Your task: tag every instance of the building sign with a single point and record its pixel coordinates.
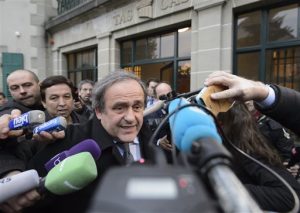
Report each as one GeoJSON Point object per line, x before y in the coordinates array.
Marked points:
{"type": "Point", "coordinates": [166, 4]}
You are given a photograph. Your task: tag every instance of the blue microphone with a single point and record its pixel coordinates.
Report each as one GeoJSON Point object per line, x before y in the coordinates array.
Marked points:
{"type": "Point", "coordinates": [56, 124]}
{"type": "Point", "coordinates": [30, 118]}
{"type": "Point", "coordinates": [190, 124]}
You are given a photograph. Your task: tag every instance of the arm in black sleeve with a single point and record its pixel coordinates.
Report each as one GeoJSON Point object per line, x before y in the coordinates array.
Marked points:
{"type": "Point", "coordinates": [285, 109]}
{"type": "Point", "coordinates": [10, 162]}
{"type": "Point", "coordinates": [269, 192]}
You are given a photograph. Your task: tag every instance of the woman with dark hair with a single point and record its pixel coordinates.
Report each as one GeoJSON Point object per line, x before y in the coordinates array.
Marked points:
{"type": "Point", "coordinates": [241, 129]}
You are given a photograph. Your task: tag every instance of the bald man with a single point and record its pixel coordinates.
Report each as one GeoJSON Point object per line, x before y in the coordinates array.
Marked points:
{"type": "Point", "coordinates": [25, 91]}
{"type": "Point", "coordinates": [24, 88]}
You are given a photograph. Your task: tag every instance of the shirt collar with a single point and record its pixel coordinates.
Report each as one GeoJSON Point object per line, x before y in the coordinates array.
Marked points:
{"type": "Point", "coordinates": [135, 141]}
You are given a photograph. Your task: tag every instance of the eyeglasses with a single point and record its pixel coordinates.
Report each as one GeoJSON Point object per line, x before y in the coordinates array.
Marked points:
{"type": "Point", "coordinates": [168, 96]}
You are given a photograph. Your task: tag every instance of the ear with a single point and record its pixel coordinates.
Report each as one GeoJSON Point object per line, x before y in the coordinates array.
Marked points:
{"type": "Point", "coordinates": [44, 104]}
{"type": "Point", "coordinates": [98, 113]}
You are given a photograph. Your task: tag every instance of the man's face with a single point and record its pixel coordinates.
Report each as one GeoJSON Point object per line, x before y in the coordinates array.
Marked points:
{"type": "Point", "coordinates": [150, 88]}
{"type": "Point", "coordinates": [122, 116]}
{"type": "Point", "coordinates": [162, 89]}
{"type": "Point", "coordinates": [23, 88]}
{"type": "Point", "coordinates": [85, 93]}
{"type": "Point", "coordinates": [2, 100]}
{"type": "Point", "coordinates": [59, 100]}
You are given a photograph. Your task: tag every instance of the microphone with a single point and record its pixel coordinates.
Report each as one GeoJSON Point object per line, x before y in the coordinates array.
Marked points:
{"type": "Point", "coordinates": [188, 94]}
{"type": "Point", "coordinates": [88, 145]}
{"type": "Point", "coordinates": [18, 184]}
{"type": "Point", "coordinates": [30, 118]}
{"type": "Point", "coordinates": [70, 175]}
{"type": "Point", "coordinates": [195, 132]}
{"type": "Point", "coordinates": [56, 124]}
{"type": "Point", "coordinates": [153, 108]}
{"type": "Point", "coordinates": [190, 124]}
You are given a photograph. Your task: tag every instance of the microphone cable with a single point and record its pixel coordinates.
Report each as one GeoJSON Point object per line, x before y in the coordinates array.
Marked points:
{"type": "Point", "coordinates": [160, 127]}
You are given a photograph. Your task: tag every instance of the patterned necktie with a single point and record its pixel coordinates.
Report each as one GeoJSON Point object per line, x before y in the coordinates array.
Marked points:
{"type": "Point", "coordinates": [127, 154]}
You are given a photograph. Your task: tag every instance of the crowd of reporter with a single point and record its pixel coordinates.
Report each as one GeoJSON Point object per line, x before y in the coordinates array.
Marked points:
{"type": "Point", "coordinates": [119, 100]}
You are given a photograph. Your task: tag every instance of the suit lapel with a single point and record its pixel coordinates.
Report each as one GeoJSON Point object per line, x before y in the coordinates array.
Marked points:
{"type": "Point", "coordinates": [105, 141]}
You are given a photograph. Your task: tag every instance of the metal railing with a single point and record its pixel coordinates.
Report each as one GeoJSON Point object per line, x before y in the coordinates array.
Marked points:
{"type": "Point", "coordinates": [66, 5]}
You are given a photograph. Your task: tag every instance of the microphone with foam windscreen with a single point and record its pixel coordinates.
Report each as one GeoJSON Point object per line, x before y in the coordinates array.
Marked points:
{"type": "Point", "coordinates": [194, 132]}
{"type": "Point", "coordinates": [18, 184]}
{"type": "Point", "coordinates": [70, 175]}
{"type": "Point", "coordinates": [190, 124]}
{"type": "Point", "coordinates": [30, 118]}
{"type": "Point", "coordinates": [56, 124]}
{"type": "Point", "coordinates": [88, 145]}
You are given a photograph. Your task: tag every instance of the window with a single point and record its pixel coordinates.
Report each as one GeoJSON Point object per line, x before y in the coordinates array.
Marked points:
{"type": "Point", "coordinates": [282, 23]}
{"type": "Point", "coordinates": [248, 29]}
{"type": "Point", "coordinates": [82, 65]}
{"type": "Point", "coordinates": [283, 67]}
{"type": "Point", "coordinates": [165, 56]}
{"type": "Point", "coordinates": [267, 45]}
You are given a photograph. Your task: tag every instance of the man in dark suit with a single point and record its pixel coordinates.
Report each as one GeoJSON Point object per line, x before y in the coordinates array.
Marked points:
{"type": "Point", "coordinates": [24, 88]}
{"type": "Point", "coordinates": [118, 100]}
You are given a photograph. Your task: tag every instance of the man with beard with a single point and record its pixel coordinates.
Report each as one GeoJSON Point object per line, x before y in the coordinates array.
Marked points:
{"type": "Point", "coordinates": [84, 104]}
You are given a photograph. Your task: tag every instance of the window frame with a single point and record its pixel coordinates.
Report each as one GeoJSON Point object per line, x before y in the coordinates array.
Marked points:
{"type": "Point", "coordinates": [81, 69]}
{"type": "Point", "coordinates": [264, 45]}
{"type": "Point", "coordinates": [175, 59]}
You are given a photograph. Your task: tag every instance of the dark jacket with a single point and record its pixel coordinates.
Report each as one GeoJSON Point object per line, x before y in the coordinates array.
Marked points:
{"type": "Point", "coordinates": [269, 193]}
{"type": "Point", "coordinates": [285, 109]}
{"type": "Point", "coordinates": [277, 136]}
{"type": "Point", "coordinates": [110, 157]}
{"type": "Point", "coordinates": [85, 111]}
{"type": "Point", "coordinates": [76, 118]}
{"type": "Point", "coordinates": [12, 104]}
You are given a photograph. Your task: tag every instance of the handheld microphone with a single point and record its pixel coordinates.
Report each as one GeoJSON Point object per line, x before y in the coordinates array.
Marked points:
{"type": "Point", "coordinates": [56, 124]}
{"type": "Point", "coordinates": [195, 132]}
{"type": "Point", "coordinates": [18, 184]}
{"type": "Point", "coordinates": [155, 107]}
{"type": "Point", "coordinates": [190, 124]}
{"type": "Point", "coordinates": [88, 145]}
{"type": "Point", "coordinates": [30, 118]}
{"type": "Point", "coordinates": [70, 175]}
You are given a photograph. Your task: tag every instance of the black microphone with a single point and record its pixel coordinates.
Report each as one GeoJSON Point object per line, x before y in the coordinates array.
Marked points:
{"type": "Point", "coordinates": [188, 94]}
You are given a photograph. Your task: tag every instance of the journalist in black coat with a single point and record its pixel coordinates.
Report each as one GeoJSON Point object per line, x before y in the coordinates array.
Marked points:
{"type": "Point", "coordinates": [119, 100]}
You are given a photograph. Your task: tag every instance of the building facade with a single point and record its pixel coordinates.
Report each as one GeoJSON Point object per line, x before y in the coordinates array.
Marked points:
{"type": "Point", "coordinates": [177, 41]}
{"type": "Point", "coordinates": [22, 36]}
